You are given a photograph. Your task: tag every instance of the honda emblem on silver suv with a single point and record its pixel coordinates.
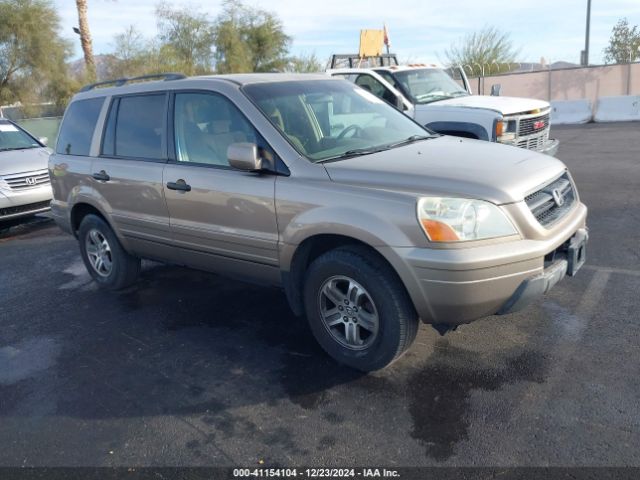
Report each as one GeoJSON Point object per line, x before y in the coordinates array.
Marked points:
{"type": "Point", "coordinates": [558, 197]}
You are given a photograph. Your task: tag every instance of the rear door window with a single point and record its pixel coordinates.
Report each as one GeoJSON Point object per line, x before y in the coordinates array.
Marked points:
{"type": "Point", "coordinates": [140, 130]}
{"type": "Point", "coordinates": [78, 126]}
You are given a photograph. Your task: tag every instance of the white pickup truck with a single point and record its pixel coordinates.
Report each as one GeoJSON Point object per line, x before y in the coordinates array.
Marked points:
{"type": "Point", "coordinates": [430, 96]}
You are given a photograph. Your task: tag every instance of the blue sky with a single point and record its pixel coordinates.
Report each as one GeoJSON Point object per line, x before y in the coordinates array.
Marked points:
{"type": "Point", "coordinates": [420, 30]}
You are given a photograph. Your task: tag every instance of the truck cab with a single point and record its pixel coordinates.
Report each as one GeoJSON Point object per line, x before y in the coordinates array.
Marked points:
{"type": "Point", "coordinates": [432, 97]}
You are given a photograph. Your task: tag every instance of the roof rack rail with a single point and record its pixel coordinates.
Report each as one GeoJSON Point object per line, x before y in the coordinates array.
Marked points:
{"type": "Point", "coordinates": [118, 82]}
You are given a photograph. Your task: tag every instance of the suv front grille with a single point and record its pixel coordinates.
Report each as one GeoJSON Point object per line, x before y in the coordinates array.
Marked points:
{"type": "Point", "coordinates": [553, 201]}
{"type": "Point", "coordinates": [26, 180]}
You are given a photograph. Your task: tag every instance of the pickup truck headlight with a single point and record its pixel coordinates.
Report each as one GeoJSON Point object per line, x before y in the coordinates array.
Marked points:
{"type": "Point", "coordinates": [462, 219]}
{"type": "Point", "coordinates": [506, 130]}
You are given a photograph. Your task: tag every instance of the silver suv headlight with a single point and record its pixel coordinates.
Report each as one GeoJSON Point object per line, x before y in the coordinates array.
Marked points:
{"type": "Point", "coordinates": [462, 219]}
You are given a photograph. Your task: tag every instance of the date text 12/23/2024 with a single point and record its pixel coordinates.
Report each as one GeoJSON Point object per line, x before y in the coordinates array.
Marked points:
{"type": "Point", "coordinates": [315, 473]}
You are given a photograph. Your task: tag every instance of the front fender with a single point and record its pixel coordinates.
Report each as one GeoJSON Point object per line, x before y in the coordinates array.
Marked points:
{"type": "Point", "coordinates": [366, 227]}
{"type": "Point", "coordinates": [478, 131]}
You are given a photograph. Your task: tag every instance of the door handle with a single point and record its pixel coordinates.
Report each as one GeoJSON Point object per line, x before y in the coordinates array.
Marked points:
{"type": "Point", "coordinates": [101, 176]}
{"type": "Point", "coordinates": [180, 185]}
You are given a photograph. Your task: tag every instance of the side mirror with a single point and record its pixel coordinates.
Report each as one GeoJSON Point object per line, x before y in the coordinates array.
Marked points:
{"type": "Point", "coordinates": [399, 103]}
{"type": "Point", "coordinates": [244, 156]}
{"type": "Point", "coordinates": [495, 90]}
{"type": "Point", "coordinates": [43, 140]}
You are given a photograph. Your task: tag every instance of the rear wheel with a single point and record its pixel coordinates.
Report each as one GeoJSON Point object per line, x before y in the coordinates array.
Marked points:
{"type": "Point", "coordinates": [358, 308]}
{"type": "Point", "coordinates": [106, 261]}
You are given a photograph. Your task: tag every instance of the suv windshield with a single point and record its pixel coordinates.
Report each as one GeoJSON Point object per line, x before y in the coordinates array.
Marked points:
{"type": "Point", "coordinates": [12, 138]}
{"type": "Point", "coordinates": [333, 119]}
{"type": "Point", "coordinates": [427, 85]}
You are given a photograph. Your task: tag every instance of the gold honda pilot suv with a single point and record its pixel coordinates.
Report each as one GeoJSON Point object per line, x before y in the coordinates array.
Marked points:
{"type": "Point", "coordinates": [369, 222]}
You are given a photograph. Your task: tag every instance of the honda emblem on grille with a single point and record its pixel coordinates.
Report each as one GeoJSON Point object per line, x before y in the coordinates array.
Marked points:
{"type": "Point", "coordinates": [538, 125]}
{"type": "Point", "coordinates": [558, 197]}
{"type": "Point", "coordinates": [30, 180]}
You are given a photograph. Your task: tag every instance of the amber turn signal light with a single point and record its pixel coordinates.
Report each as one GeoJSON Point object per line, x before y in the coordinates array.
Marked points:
{"type": "Point", "coordinates": [439, 232]}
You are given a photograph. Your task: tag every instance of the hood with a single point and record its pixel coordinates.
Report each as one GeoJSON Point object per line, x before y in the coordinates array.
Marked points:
{"type": "Point", "coordinates": [504, 105]}
{"type": "Point", "coordinates": [19, 161]}
{"type": "Point", "coordinates": [457, 167]}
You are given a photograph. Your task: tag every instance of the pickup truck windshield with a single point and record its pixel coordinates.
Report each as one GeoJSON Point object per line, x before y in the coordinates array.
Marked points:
{"type": "Point", "coordinates": [12, 138]}
{"type": "Point", "coordinates": [333, 119]}
{"type": "Point", "coordinates": [426, 85]}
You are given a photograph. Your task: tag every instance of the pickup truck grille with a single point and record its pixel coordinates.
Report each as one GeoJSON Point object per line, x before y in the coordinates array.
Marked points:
{"type": "Point", "coordinates": [22, 181]}
{"type": "Point", "coordinates": [532, 133]}
{"type": "Point", "coordinates": [553, 201]}
{"type": "Point", "coordinates": [534, 142]}
{"type": "Point", "coordinates": [533, 125]}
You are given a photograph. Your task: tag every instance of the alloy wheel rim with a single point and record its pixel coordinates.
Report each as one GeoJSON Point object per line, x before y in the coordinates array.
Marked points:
{"type": "Point", "coordinates": [99, 253]}
{"type": "Point", "coordinates": [348, 312]}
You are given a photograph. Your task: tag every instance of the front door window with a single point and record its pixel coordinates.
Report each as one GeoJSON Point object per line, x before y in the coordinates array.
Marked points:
{"type": "Point", "coordinates": [205, 125]}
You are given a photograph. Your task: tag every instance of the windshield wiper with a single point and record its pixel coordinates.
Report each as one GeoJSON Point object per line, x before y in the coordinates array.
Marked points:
{"type": "Point", "coordinates": [368, 151]}
{"type": "Point", "coordinates": [15, 148]}
{"type": "Point", "coordinates": [411, 139]}
{"type": "Point", "coordinates": [355, 153]}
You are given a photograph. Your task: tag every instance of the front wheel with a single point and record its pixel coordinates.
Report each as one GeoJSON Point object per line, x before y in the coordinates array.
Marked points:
{"type": "Point", "coordinates": [358, 309]}
{"type": "Point", "coordinates": [107, 262]}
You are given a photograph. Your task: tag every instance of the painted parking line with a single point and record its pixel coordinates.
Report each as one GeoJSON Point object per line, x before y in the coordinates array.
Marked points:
{"type": "Point", "coordinates": [568, 339]}
{"type": "Point", "coordinates": [622, 271]}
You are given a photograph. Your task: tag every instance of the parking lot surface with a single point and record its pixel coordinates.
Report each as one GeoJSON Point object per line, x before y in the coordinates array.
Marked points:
{"type": "Point", "coordinates": [188, 368]}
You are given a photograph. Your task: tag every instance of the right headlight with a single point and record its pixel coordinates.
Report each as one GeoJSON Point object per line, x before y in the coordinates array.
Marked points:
{"type": "Point", "coordinates": [462, 219]}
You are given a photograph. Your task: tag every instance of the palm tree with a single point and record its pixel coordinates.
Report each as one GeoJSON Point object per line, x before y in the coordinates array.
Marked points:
{"type": "Point", "coordinates": [85, 39]}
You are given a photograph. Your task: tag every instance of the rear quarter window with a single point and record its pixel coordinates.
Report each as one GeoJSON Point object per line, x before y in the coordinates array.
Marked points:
{"type": "Point", "coordinates": [76, 131]}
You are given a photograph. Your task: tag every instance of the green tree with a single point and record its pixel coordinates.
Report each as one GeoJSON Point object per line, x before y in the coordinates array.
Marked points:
{"type": "Point", "coordinates": [305, 63]}
{"type": "Point", "coordinates": [187, 36]}
{"type": "Point", "coordinates": [133, 55]}
{"type": "Point", "coordinates": [32, 53]}
{"type": "Point", "coordinates": [249, 39]}
{"type": "Point", "coordinates": [241, 39]}
{"type": "Point", "coordinates": [488, 47]}
{"type": "Point", "coordinates": [624, 44]}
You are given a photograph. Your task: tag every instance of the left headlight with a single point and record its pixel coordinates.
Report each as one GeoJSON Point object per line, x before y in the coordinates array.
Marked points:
{"type": "Point", "coordinates": [462, 219]}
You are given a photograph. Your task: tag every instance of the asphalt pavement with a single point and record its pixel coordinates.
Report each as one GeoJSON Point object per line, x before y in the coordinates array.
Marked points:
{"type": "Point", "coordinates": [188, 368]}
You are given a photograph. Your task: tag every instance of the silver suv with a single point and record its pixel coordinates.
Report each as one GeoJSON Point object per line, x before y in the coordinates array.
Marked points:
{"type": "Point", "coordinates": [24, 180]}
{"type": "Point", "coordinates": [369, 222]}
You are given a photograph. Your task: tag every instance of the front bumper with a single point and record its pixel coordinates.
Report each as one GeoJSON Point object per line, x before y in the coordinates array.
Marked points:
{"type": "Point", "coordinates": [459, 285]}
{"type": "Point", "coordinates": [551, 147]}
{"type": "Point", "coordinates": [16, 204]}
{"type": "Point", "coordinates": [569, 260]}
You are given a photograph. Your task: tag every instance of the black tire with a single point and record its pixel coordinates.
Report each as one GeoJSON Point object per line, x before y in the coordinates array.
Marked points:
{"type": "Point", "coordinates": [124, 266]}
{"type": "Point", "coordinates": [397, 318]}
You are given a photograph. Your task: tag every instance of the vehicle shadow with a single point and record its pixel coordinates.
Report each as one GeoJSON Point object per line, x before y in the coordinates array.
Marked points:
{"type": "Point", "coordinates": [188, 344]}
{"type": "Point", "coordinates": [181, 341]}
{"type": "Point", "coordinates": [11, 229]}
